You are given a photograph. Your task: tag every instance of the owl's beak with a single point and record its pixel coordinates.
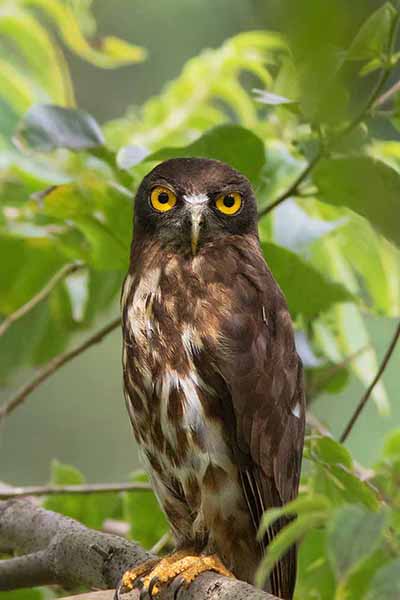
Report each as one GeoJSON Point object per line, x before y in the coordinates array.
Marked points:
{"type": "Point", "coordinates": [196, 204]}
{"type": "Point", "coordinates": [197, 217]}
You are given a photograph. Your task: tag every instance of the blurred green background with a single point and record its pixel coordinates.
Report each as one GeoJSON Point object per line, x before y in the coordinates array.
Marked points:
{"type": "Point", "coordinates": [79, 415]}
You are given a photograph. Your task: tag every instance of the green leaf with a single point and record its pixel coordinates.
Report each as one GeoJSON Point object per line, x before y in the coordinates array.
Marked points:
{"type": "Point", "coordinates": [232, 144]}
{"type": "Point", "coordinates": [386, 582]}
{"type": "Point", "coordinates": [102, 212]}
{"type": "Point", "coordinates": [353, 534]}
{"type": "Point", "coordinates": [300, 506]}
{"type": "Point", "coordinates": [46, 127]}
{"type": "Point", "coordinates": [287, 536]}
{"type": "Point", "coordinates": [141, 509]}
{"type": "Point", "coordinates": [35, 45]}
{"type": "Point", "coordinates": [371, 40]}
{"type": "Point", "coordinates": [360, 577]}
{"type": "Point", "coordinates": [331, 452]}
{"type": "Point", "coordinates": [369, 187]}
{"type": "Point", "coordinates": [307, 291]}
{"type": "Point", "coordinates": [315, 578]}
{"type": "Point", "coordinates": [89, 509]}
{"type": "Point", "coordinates": [391, 449]}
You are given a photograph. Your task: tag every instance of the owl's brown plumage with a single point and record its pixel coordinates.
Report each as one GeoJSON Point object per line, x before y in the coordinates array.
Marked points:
{"type": "Point", "coordinates": [213, 383]}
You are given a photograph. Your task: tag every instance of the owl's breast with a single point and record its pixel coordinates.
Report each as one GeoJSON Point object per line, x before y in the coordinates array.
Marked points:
{"type": "Point", "coordinates": [170, 321]}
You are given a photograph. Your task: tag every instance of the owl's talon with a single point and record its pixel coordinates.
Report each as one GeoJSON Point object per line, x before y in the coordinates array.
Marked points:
{"type": "Point", "coordinates": [153, 583]}
{"type": "Point", "coordinates": [176, 586]}
{"type": "Point", "coordinates": [117, 595]}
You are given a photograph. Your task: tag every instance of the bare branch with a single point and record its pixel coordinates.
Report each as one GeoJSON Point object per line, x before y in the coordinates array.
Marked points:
{"type": "Point", "coordinates": [40, 296]}
{"type": "Point", "coordinates": [52, 366]}
{"type": "Point", "coordinates": [59, 550]}
{"type": "Point", "coordinates": [369, 391]}
{"type": "Point", "coordinates": [88, 488]}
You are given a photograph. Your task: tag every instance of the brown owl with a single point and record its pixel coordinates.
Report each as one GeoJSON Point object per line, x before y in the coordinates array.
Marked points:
{"type": "Point", "coordinates": [213, 382]}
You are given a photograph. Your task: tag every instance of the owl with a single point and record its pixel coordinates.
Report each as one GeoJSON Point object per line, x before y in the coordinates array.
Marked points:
{"type": "Point", "coordinates": [213, 383]}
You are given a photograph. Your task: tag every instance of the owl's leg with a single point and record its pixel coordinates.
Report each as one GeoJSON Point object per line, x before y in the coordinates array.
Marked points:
{"type": "Point", "coordinates": [181, 568]}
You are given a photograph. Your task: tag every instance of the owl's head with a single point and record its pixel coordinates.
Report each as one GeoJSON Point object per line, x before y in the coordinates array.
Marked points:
{"type": "Point", "coordinates": [186, 202]}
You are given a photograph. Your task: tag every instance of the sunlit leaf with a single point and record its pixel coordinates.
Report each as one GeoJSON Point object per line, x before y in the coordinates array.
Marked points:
{"type": "Point", "coordinates": [112, 52]}
{"type": "Point", "coordinates": [38, 50]}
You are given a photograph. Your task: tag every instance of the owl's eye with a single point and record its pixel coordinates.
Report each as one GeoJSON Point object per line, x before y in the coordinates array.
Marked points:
{"type": "Point", "coordinates": [229, 204]}
{"type": "Point", "coordinates": [162, 199]}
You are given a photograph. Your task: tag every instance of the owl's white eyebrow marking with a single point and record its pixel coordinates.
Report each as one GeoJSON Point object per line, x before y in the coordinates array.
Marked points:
{"type": "Point", "coordinates": [196, 198]}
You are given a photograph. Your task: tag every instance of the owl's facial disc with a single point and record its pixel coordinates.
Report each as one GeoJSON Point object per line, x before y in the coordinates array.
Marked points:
{"type": "Point", "coordinates": [197, 204]}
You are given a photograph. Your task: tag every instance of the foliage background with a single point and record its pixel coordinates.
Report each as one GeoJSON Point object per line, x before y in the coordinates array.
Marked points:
{"type": "Point", "coordinates": [78, 416]}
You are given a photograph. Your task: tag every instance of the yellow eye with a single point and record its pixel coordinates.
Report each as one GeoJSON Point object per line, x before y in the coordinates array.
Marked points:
{"type": "Point", "coordinates": [162, 199]}
{"type": "Point", "coordinates": [229, 204]}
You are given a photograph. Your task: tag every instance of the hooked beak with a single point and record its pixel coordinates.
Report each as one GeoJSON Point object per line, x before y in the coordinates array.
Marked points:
{"type": "Point", "coordinates": [197, 215]}
{"type": "Point", "coordinates": [196, 204]}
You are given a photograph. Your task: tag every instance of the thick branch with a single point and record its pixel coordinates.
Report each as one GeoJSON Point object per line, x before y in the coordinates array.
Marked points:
{"type": "Point", "coordinates": [369, 391]}
{"type": "Point", "coordinates": [39, 297]}
{"type": "Point", "coordinates": [87, 488]}
{"type": "Point", "coordinates": [52, 366]}
{"type": "Point", "coordinates": [60, 550]}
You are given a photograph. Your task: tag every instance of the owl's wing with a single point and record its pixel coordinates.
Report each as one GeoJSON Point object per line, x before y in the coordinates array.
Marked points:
{"type": "Point", "coordinates": [263, 374]}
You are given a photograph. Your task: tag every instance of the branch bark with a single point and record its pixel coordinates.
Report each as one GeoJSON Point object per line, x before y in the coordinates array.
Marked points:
{"type": "Point", "coordinates": [7, 492]}
{"type": "Point", "coordinates": [58, 550]}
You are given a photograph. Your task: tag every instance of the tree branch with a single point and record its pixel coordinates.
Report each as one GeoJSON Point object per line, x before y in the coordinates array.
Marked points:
{"type": "Point", "coordinates": [369, 391]}
{"type": "Point", "coordinates": [294, 188]}
{"type": "Point", "coordinates": [59, 550]}
{"type": "Point", "coordinates": [52, 366]}
{"type": "Point", "coordinates": [39, 297]}
{"type": "Point", "coordinates": [88, 488]}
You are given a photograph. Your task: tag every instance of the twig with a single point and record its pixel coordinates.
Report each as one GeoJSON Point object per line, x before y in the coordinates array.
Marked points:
{"type": "Point", "coordinates": [59, 550]}
{"type": "Point", "coordinates": [40, 296]}
{"type": "Point", "coordinates": [387, 95]}
{"type": "Point", "coordinates": [53, 365]}
{"type": "Point", "coordinates": [89, 488]}
{"type": "Point", "coordinates": [369, 391]}
{"type": "Point", "coordinates": [161, 543]}
{"type": "Point", "coordinates": [293, 189]}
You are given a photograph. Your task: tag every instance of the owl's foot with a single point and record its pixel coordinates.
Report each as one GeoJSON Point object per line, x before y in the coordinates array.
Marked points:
{"type": "Point", "coordinates": [180, 569]}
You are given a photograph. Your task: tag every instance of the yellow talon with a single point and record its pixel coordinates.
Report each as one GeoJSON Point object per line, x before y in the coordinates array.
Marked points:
{"type": "Point", "coordinates": [162, 572]}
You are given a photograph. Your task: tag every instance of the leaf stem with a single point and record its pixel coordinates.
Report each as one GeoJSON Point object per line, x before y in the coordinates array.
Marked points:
{"type": "Point", "coordinates": [370, 389]}
{"type": "Point", "coordinates": [40, 296]}
{"type": "Point", "coordinates": [53, 365]}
